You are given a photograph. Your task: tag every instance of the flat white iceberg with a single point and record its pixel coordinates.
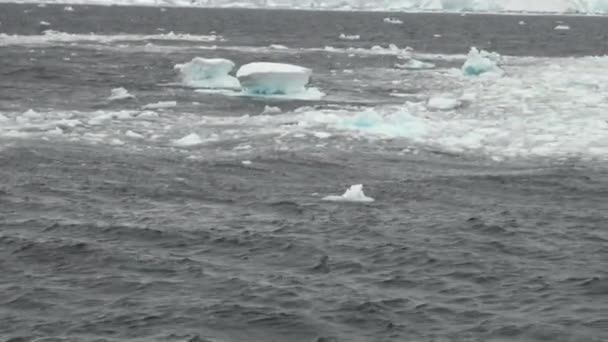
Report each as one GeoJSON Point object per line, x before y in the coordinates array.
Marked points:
{"type": "Point", "coordinates": [262, 78]}
{"type": "Point", "coordinates": [443, 103]}
{"type": "Point", "coordinates": [349, 36]}
{"type": "Point", "coordinates": [393, 21]}
{"type": "Point", "coordinates": [120, 94]}
{"type": "Point", "coordinates": [414, 64]}
{"type": "Point", "coordinates": [353, 194]}
{"type": "Point", "coordinates": [209, 73]}
{"type": "Point", "coordinates": [68, 9]}
{"type": "Point", "coordinates": [189, 140]}
{"type": "Point", "coordinates": [562, 27]}
{"type": "Point", "coordinates": [160, 105]}
{"type": "Point", "coordinates": [481, 62]}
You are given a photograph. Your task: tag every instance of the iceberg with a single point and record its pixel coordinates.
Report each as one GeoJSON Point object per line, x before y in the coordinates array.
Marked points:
{"type": "Point", "coordinates": [443, 103]}
{"type": "Point", "coordinates": [120, 94]}
{"type": "Point", "coordinates": [189, 140]}
{"type": "Point", "coordinates": [562, 27]}
{"type": "Point", "coordinates": [160, 105]}
{"type": "Point", "coordinates": [273, 78]}
{"type": "Point", "coordinates": [481, 62]}
{"type": "Point", "coordinates": [353, 194]}
{"type": "Point", "coordinates": [393, 21]}
{"type": "Point", "coordinates": [414, 64]}
{"type": "Point", "coordinates": [208, 73]}
{"type": "Point", "coordinates": [349, 36]}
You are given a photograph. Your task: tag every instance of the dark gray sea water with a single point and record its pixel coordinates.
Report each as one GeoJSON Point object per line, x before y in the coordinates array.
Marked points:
{"type": "Point", "coordinates": [110, 233]}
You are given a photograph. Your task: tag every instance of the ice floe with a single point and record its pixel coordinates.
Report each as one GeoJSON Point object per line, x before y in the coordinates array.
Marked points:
{"type": "Point", "coordinates": [353, 194]}
{"type": "Point", "coordinates": [120, 94]}
{"type": "Point", "coordinates": [443, 103]}
{"type": "Point", "coordinates": [160, 105]}
{"type": "Point", "coordinates": [481, 62]}
{"type": "Point", "coordinates": [393, 21]}
{"type": "Point", "coordinates": [208, 73]}
{"type": "Point", "coordinates": [262, 78]}
{"type": "Point", "coordinates": [189, 140]}
{"type": "Point", "coordinates": [414, 64]}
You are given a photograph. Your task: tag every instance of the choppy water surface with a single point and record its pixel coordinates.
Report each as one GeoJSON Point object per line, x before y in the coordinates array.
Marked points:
{"type": "Point", "coordinates": [489, 221]}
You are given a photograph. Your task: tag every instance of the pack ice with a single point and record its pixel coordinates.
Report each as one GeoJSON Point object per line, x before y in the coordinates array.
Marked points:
{"type": "Point", "coordinates": [273, 78]}
{"type": "Point", "coordinates": [208, 73]}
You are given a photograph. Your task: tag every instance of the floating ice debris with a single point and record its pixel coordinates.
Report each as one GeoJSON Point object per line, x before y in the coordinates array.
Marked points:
{"type": "Point", "coordinates": [322, 135]}
{"type": "Point", "coordinates": [3, 118]}
{"type": "Point", "coordinates": [562, 27]}
{"type": "Point", "coordinates": [349, 37]}
{"type": "Point", "coordinates": [437, 35]}
{"type": "Point", "coordinates": [160, 105]}
{"type": "Point", "coordinates": [522, 23]}
{"type": "Point", "coordinates": [481, 62]}
{"type": "Point", "coordinates": [189, 140]}
{"type": "Point", "coordinates": [443, 103]}
{"type": "Point", "coordinates": [133, 135]}
{"type": "Point", "coordinates": [278, 47]}
{"type": "Point", "coordinates": [246, 162]}
{"type": "Point", "coordinates": [274, 79]}
{"type": "Point", "coordinates": [414, 64]}
{"type": "Point", "coordinates": [272, 110]}
{"type": "Point", "coordinates": [393, 21]}
{"type": "Point", "coordinates": [120, 94]}
{"type": "Point", "coordinates": [208, 73]}
{"type": "Point", "coordinates": [45, 23]}
{"type": "Point", "coordinates": [68, 9]}
{"type": "Point", "coordinates": [353, 194]}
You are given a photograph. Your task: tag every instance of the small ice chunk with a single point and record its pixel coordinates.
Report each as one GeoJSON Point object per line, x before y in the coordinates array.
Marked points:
{"type": "Point", "coordinates": [3, 118]}
{"type": "Point", "coordinates": [31, 114]}
{"type": "Point", "coordinates": [133, 135]}
{"type": "Point", "coordinates": [273, 78]}
{"type": "Point", "coordinates": [353, 194]}
{"type": "Point", "coordinates": [522, 23]}
{"type": "Point", "coordinates": [208, 73]}
{"type": "Point", "coordinates": [272, 110]}
{"type": "Point", "coordinates": [246, 162]}
{"type": "Point", "coordinates": [414, 64]}
{"type": "Point", "coordinates": [480, 62]}
{"type": "Point", "coordinates": [562, 27]}
{"type": "Point", "coordinates": [189, 140]}
{"type": "Point", "coordinates": [322, 135]}
{"type": "Point", "coordinates": [278, 47]}
{"type": "Point", "coordinates": [68, 9]}
{"type": "Point", "coordinates": [349, 37]}
{"type": "Point", "coordinates": [443, 103]}
{"type": "Point", "coordinates": [160, 105]}
{"type": "Point", "coordinates": [45, 23]}
{"type": "Point", "coordinates": [393, 21]}
{"type": "Point", "coordinates": [120, 94]}
{"type": "Point", "coordinates": [437, 35]}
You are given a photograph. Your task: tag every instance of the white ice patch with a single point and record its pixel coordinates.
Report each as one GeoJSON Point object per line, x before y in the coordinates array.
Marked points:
{"type": "Point", "coordinates": [160, 105]}
{"type": "Point", "coordinates": [208, 73]}
{"type": "Point", "coordinates": [68, 9]}
{"type": "Point", "coordinates": [275, 79]}
{"type": "Point", "coordinates": [120, 94]}
{"type": "Point", "coordinates": [189, 140]}
{"type": "Point", "coordinates": [481, 62]}
{"type": "Point", "coordinates": [353, 194]}
{"type": "Point", "coordinates": [414, 64]}
{"type": "Point", "coordinates": [271, 110]}
{"type": "Point", "coordinates": [562, 27]}
{"type": "Point", "coordinates": [349, 36]}
{"type": "Point", "coordinates": [443, 103]}
{"type": "Point", "coordinates": [393, 21]}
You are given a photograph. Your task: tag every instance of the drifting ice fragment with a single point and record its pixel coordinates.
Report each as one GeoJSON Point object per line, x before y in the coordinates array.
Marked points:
{"type": "Point", "coordinates": [189, 140]}
{"type": "Point", "coordinates": [393, 21]}
{"type": "Point", "coordinates": [273, 78]}
{"type": "Point", "coordinates": [443, 103]}
{"type": "Point", "coordinates": [481, 62]}
{"type": "Point", "coordinates": [353, 194]}
{"type": "Point", "coordinates": [120, 94]}
{"type": "Point", "coordinates": [68, 9]}
{"type": "Point", "coordinates": [133, 135]}
{"type": "Point", "coordinates": [208, 73]}
{"type": "Point", "coordinates": [349, 37]}
{"type": "Point", "coordinates": [562, 27]}
{"type": "Point", "coordinates": [160, 105]}
{"type": "Point", "coordinates": [414, 64]}
{"type": "Point", "coordinates": [272, 110]}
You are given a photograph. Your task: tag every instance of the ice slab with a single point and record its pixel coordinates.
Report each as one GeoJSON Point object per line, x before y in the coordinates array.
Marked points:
{"type": "Point", "coordinates": [208, 73]}
{"type": "Point", "coordinates": [443, 103]}
{"type": "Point", "coordinates": [189, 140]}
{"type": "Point", "coordinates": [349, 36]}
{"type": "Point", "coordinates": [353, 194]}
{"type": "Point", "coordinates": [414, 64]}
{"type": "Point", "coordinates": [263, 78]}
{"type": "Point", "coordinates": [120, 94]}
{"type": "Point", "coordinates": [160, 105]}
{"type": "Point", "coordinates": [393, 21]}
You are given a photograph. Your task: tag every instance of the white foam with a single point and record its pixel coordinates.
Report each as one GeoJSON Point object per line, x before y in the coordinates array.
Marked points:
{"type": "Point", "coordinates": [120, 94]}
{"type": "Point", "coordinates": [189, 140]}
{"type": "Point", "coordinates": [208, 73]}
{"type": "Point", "coordinates": [160, 105]}
{"type": "Point", "coordinates": [353, 194]}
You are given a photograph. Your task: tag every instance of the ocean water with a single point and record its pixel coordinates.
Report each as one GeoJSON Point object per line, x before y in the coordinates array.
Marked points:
{"type": "Point", "coordinates": [489, 220]}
